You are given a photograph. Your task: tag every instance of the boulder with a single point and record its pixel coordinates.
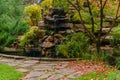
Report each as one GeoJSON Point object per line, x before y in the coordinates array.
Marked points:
{"type": "Point", "coordinates": [47, 44]}
{"type": "Point", "coordinates": [42, 33]}
{"type": "Point", "coordinates": [61, 32]}
{"type": "Point", "coordinates": [58, 38]}
{"type": "Point", "coordinates": [69, 31]}
{"type": "Point", "coordinates": [49, 38]}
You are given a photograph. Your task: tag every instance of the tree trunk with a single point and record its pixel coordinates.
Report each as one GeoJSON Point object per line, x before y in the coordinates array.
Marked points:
{"type": "Point", "coordinates": [98, 42]}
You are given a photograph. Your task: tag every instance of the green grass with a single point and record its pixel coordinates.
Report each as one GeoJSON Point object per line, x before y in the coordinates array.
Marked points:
{"type": "Point", "coordinates": [9, 73]}
{"type": "Point", "coordinates": [108, 75]}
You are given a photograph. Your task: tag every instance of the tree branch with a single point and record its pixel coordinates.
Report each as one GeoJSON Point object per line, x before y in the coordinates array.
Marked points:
{"type": "Point", "coordinates": [114, 21]}
{"type": "Point", "coordinates": [104, 4]}
{"type": "Point", "coordinates": [91, 14]}
{"type": "Point", "coordinates": [78, 8]}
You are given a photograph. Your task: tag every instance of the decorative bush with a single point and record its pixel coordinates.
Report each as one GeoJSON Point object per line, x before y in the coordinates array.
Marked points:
{"type": "Point", "coordinates": [75, 45]}
{"type": "Point", "coordinates": [34, 13]}
{"type": "Point", "coordinates": [32, 36]}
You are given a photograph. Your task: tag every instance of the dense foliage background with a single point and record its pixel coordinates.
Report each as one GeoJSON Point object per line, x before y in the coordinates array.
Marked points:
{"type": "Point", "coordinates": [12, 23]}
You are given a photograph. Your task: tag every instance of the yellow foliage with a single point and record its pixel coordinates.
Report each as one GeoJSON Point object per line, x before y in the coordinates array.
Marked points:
{"type": "Point", "coordinates": [46, 4]}
{"type": "Point", "coordinates": [33, 34]}
{"type": "Point", "coordinates": [33, 11]}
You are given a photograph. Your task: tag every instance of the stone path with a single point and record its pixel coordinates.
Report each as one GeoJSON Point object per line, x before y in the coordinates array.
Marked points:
{"type": "Point", "coordinates": [48, 70]}
{"type": "Point", "coordinates": [42, 70]}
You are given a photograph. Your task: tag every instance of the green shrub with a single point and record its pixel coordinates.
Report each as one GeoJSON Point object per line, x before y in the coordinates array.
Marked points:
{"type": "Point", "coordinates": [11, 22]}
{"type": "Point", "coordinates": [118, 63]}
{"type": "Point", "coordinates": [34, 13]}
{"type": "Point", "coordinates": [32, 36]}
{"type": "Point", "coordinates": [115, 36]}
{"type": "Point", "coordinates": [10, 40]}
{"type": "Point", "coordinates": [75, 45]}
{"type": "Point", "coordinates": [86, 17]}
{"type": "Point", "coordinates": [113, 58]}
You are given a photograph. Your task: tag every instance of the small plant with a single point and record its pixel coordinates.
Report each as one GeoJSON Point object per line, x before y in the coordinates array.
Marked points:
{"type": "Point", "coordinates": [75, 45]}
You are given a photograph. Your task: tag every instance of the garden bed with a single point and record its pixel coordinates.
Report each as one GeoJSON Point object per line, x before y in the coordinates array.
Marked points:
{"type": "Point", "coordinates": [38, 58]}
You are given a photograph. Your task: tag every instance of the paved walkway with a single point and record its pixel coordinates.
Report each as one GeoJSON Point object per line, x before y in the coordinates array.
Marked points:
{"type": "Point", "coordinates": [46, 70]}
{"type": "Point", "coordinates": [43, 70]}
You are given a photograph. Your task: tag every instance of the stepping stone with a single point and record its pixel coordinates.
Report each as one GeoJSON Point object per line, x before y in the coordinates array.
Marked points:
{"type": "Point", "coordinates": [23, 70]}
{"type": "Point", "coordinates": [55, 77]}
{"type": "Point", "coordinates": [66, 71]}
{"type": "Point", "coordinates": [26, 65]}
{"type": "Point", "coordinates": [61, 66]}
{"type": "Point", "coordinates": [19, 62]}
{"type": "Point", "coordinates": [6, 60]}
{"type": "Point", "coordinates": [43, 69]}
{"type": "Point", "coordinates": [41, 65]}
{"type": "Point", "coordinates": [75, 75]}
{"type": "Point", "coordinates": [45, 75]}
{"type": "Point", "coordinates": [34, 78]}
{"type": "Point", "coordinates": [34, 74]}
{"type": "Point", "coordinates": [31, 62]}
{"type": "Point", "coordinates": [12, 64]}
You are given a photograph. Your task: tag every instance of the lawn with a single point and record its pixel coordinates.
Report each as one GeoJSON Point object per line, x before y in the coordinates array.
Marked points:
{"type": "Point", "coordinates": [108, 75]}
{"type": "Point", "coordinates": [9, 73]}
